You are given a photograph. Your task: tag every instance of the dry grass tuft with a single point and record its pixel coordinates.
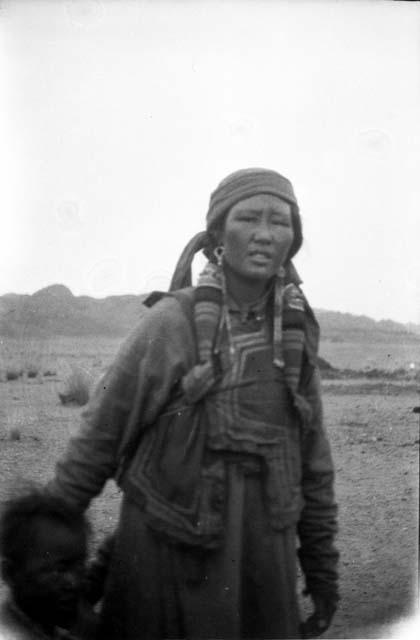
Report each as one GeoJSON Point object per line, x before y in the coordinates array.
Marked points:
{"type": "Point", "coordinates": [13, 373]}
{"type": "Point", "coordinates": [32, 371]}
{"type": "Point", "coordinates": [76, 388]}
{"type": "Point", "coordinates": [49, 372]}
{"type": "Point", "coordinates": [15, 434]}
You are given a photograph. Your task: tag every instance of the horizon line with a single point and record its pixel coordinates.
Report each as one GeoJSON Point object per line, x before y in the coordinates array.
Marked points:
{"type": "Point", "coordinates": [144, 294]}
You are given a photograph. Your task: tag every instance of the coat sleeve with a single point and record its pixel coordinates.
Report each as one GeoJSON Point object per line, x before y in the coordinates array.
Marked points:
{"type": "Point", "coordinates": [318, 523]}
{"type": "Point", "coordinates": [129, 396]}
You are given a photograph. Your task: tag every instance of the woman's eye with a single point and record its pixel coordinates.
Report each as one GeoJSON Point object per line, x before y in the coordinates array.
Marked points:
{"type": "Point", "coordinates": [280, 223]}
{"type": "Point", "coordinates": [247, 218]}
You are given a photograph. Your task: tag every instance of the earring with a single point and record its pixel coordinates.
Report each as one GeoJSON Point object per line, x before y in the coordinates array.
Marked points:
{"type": "Point", "coordinates": [219, 252]}
{"type": "Point", "coordinates": [281, 272]}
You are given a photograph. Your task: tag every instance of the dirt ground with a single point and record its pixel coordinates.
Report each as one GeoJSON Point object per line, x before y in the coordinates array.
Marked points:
{"type": "Point", "coordinates": [375, 440]}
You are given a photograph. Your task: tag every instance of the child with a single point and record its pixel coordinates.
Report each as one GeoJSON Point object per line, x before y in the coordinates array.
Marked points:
{"type": "Point", "coordinates": [43, 549]}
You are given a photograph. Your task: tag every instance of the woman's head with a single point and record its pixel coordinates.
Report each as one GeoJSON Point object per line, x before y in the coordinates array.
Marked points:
{"type": "Point", "coordinates": [240, 187]}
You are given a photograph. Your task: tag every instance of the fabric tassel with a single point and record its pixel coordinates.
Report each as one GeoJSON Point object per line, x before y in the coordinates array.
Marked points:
{"type": "Point", "coordinates": [278, 359]}
{"type": "Point", "coordinates": [208, 313]}
{"type": "Point", "coordinates": [289, 338]}
{"type": "Point", "coordinates": [208, 309]}
{"type": "Point", "coordinates": [293, 335]}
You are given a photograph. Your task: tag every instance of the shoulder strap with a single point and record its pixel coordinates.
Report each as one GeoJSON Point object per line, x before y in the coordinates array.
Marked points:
{"type": "Point", "coordinates": [184, 296]}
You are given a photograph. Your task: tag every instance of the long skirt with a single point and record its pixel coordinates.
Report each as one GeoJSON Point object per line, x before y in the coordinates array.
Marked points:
{"type": "Point", "coordinates": [245, 589]}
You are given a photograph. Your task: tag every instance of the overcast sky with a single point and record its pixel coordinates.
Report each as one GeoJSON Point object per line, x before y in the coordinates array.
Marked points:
{"type": "Point", "coordinates": [117, 120]}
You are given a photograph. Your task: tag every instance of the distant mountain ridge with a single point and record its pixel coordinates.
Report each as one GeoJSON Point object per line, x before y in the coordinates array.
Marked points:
{"type": "Point", "coordinates": [55, 311]}
{"type": "Point", "coordinates": [336, 326]}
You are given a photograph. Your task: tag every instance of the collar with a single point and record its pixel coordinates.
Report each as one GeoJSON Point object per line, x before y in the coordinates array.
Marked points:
{"type": "Point", "coordinates": [256, 309]}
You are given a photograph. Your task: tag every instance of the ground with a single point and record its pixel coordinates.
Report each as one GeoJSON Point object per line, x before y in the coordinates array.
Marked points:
{"type": "Point", "coordinates": [374, 436]}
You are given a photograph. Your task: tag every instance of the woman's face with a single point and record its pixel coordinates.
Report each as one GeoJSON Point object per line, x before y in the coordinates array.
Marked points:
{"type": "Point", "coordinates": [257, 236]}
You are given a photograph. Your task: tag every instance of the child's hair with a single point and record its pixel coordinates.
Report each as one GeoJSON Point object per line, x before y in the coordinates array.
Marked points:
{"type": "Point", "coordinates": [19, 515]}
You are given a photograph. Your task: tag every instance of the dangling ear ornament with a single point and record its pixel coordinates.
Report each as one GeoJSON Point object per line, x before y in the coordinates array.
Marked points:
{"type": "Point", "coordinates": [218, 253]}
{"type": "Point", "coordinates": [281, 273]}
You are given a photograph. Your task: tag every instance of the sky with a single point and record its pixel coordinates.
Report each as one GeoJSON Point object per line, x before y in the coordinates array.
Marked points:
{"type": "Point", "coordinates": [118, 119]}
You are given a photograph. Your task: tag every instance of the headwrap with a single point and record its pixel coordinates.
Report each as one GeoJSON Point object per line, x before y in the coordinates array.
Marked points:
{"type": "Point", "coordinates": [245, 184]}
{"type": "Point", "coordinates": [236, 187]}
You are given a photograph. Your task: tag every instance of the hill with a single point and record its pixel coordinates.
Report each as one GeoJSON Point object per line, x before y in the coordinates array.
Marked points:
{"type": "Point", "coordinates": [55, 311]}
{"type": "Point", "coordinates": [339, 327]}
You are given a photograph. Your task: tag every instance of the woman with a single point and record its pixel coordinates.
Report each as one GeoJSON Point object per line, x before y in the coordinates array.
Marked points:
{"type": "Point", "coordinates": [210, 421]}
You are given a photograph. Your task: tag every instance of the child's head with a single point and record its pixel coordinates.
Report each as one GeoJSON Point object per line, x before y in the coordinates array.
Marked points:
{"type": "Point", "coordinates": [43, 546]}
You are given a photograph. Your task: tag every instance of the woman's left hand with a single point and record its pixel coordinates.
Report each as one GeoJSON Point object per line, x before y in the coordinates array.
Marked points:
{"type": "Point", "coordinates": [320, 620]}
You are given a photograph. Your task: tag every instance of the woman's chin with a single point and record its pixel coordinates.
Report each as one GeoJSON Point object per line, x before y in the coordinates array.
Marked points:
{"type": "Point", "coordinates": [259, 273]}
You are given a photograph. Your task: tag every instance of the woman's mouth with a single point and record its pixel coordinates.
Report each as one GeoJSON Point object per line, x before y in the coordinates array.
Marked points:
{"type": "Point", "coordinates": [260, 257]}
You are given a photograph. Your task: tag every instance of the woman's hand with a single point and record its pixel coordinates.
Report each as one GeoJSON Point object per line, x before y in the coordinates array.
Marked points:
{"type": "Point", "coordinates": [320, 620]}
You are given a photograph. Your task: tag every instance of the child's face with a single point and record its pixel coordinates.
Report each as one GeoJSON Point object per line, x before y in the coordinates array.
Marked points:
{"type": "Point", "coordinates": [48, 583]}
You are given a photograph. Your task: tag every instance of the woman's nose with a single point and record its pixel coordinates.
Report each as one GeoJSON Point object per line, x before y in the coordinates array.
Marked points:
{"type": "Point", "coordinates": [263, 231]}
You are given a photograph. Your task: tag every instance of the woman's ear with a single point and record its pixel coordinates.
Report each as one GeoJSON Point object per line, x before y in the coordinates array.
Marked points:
{"type": "Point", "coordinates": [215, 237]}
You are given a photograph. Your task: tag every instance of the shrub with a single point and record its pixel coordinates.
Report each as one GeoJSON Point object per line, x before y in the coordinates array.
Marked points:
{"type": "Point", "coordinates": [14, 433]}
{"type": "Point", "coordinates": [13, 373]}
{"type": "Point", "coordinates": [76, 388]}
{"type": "Point", "coordinates": [50, 372]}
{"type": "Point", "coordinates": [32, 372]}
